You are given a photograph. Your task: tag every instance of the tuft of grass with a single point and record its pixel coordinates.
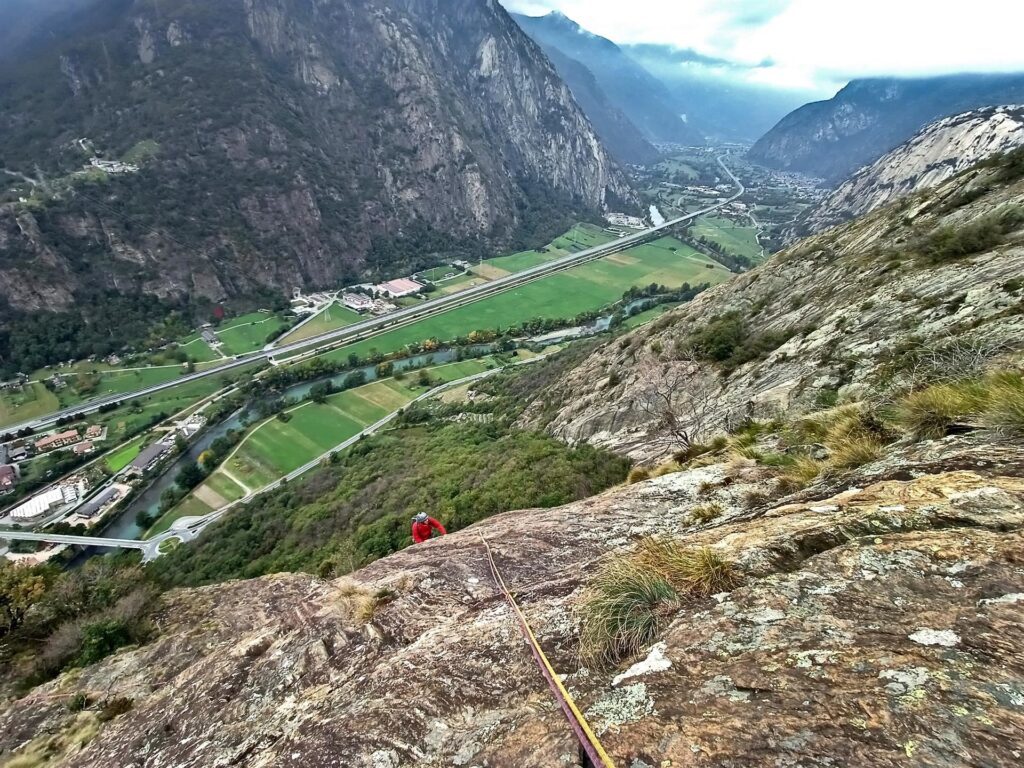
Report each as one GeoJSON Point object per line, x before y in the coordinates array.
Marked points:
{"type": "Point", "coordinates": [1004, 407]}
{"type": "Point", "coordinates": [928, 413]}
{"type": "Point", "coordinates": [802, 472]}
{"type": "Point", "coordinates": [359, 603]}
{"type": "Point", "coordinates": [628, 606]}
{"type": "Point", "coordinates": [631, 599]}
{"type": "Point", "coordinates": [705, 513]}
{"type": "Point", "coordinates": [638, 475]}
{"type": "Point", "coordinates": [859, 449]}
{"type": "Point", "coordinates": [668, 468]}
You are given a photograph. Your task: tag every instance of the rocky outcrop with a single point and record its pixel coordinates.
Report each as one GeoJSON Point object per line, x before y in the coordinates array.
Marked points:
{"type": "Point", "coordinates": [842, 314]}
{"type": "Point", "coordinates": [833, 138]}
{"type": "Point", "coordinates": [938, 152]}
{"type": "Point", "coordinates": [878, 622]}
{"type": "Point", "coordinates": [291, 142]}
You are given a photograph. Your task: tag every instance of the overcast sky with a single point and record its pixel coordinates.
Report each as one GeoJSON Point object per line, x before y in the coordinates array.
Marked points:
{"type": "Point", "coordinates": [815, 44]}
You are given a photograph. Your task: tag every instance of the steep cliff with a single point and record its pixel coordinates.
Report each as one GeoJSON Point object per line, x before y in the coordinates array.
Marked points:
{"type": "Point", "coordinates": [937, 152]}
{"type": "Point", "coordinates": [867, 118]}
{"type": "Point", "coordinates": [622, 138]}
{"type": "Point", "coordinates": [280, 143]}
{"type": "Point", "coordinates": [642, 97]}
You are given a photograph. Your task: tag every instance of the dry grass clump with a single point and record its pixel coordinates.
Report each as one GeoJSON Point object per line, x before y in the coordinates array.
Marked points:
{"type": "Point", "coordinates": [927, 413]}
{"type": "Point", "coordinates": [638, 475]}
{"type": "Point", "coordinates": [668, 468]}
{"type": "Point", "coordinates": [996, 401]}
{"type": "Point", "coordinates": [1004, 406]}
{"type": "Point", "coordinates": [802, 472]}
{"type": "Point", "coordinates": [856, 451]}
{"type": "Point", "coordinates": [358, 602]}
{"type": "Point", "coordinates": [705, 513]}
{"type": "Point", "coordinates": [631, 599]}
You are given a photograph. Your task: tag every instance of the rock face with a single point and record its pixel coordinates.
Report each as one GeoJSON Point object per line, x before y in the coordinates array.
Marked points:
{"type": "Point", "coordinates": [939, 151]}
{"type": "Point", "coordinates": [879, 622]}
{"type": "Point", "coordinates": [832, 139]}
{"type": "Point", "coordinates": [641, 96]}
{"type": "Point", "coordinates": [281, 143]}
{"type": "Point", "coordinates": [842, 313]}
{"type": "Point", "coordinates": [624, 140]}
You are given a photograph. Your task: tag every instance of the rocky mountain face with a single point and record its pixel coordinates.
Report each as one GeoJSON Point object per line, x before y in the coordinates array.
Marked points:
{"type": "Point", "coordinates": [641, 96]}
{"type": "Point", "coordinates": [836, 316]}
{"type": "Point", "coordinates": [877, 617]}
{"type": "Point", "coordinates": [624, 140]}
{"type": "Point", "coordinates": [939, 151]}
{"type": "Point", "coordinates": [832, 139]}
{"type": "Point", "coordinates": [273, 143]}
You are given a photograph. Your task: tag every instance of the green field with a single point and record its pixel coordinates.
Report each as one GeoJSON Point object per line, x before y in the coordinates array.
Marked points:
{"type": "Point", "coordinates": [30, 402]}
{"type": "Point", "coordinates": [437, 273]}
{"type": "Point", "coordinates": [642, 318]}
{"type": "Point", "coordinates": [274, 448]}
{"type": "Point", "coordinates": [248, 333]}
{"type": "Point", "coordinates": [675, 165]}
{"type": "Point", "coordinates": [736, 239]}
{"type": "Point", "coordinates": [124, 455]}
{"type": "Point", "coordinates": [564, 295]}
{"type": "Point", "coordinates": [577, 239]}
{"type": "Point", "coordinates": [332, 318]}
{"type": "Point", "coordinates": [196, 348]}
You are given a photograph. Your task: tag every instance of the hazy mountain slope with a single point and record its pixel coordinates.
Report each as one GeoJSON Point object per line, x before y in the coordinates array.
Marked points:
{"type": "Point", "coordinates": [714, 95]}
{"type": "Point", "coordinates": [842, 314]}
{"type": "Point", "coordinates": [281, 143]}
{"type": "Point", "coordinates": [867, 118]}
{"type": "Point", "coordinates": [624, 140]}
{"type": "Point", "coordinates": [641, 96]}
{"type": "Point", "coordinates": [936, 153]}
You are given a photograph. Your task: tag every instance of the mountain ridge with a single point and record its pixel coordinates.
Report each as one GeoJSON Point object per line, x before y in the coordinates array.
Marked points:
{"type": "Point", "coordinates": [277, 147]}
{"type": "Point", "coordinates": [937, 152]}
{"type": "Point", "coordinates": [867, 118]}
{"type": "Point", "coordinates": [641, 96]}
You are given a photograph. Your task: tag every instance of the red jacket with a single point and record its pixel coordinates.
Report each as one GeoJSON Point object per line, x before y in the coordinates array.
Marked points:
{"type": "Point", "coordinates": [423, 531]}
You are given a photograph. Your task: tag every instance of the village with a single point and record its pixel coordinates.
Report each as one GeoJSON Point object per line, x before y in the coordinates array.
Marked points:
{"type": "Point", "coordinates": [89, 497]}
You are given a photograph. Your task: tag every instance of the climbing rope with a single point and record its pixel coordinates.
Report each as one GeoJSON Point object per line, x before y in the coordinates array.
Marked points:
{"type": "Point", "coordinates": [588, 740]}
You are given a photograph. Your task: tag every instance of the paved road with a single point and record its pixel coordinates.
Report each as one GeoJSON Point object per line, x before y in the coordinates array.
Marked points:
{"type": "Point", "coordinates": [370, 327]}
{"type": "Point", "coordinates": [187, 528]}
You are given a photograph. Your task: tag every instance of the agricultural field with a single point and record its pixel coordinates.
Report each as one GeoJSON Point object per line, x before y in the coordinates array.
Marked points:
{"type": "Point", "coordinates": [460, 283]}
{"type": "Point", "coordinates": [732, 237]}
{"type": "Point", "coordinates": [196, 348]}
{"type": "Point", "coordinates": [437, 273]}
{"type": "Point", "coordinates": [140, 412]}
{"type": "Point", "coordinates": [274, 447]}
{"type": "Point", "coordinates": [30, 402]}
{"type": "Point", "coordinates": [248, 333]}
{"type": "Point", "coordinates": [334, 317]}
{"type": "Point", "coordinates": [643, 318]}
{"type": "Point", "coordinates": [565, 294]}
{"type": "Point", "coordinates": [124, 455]}
{"type": "Point", "coordinates": [577, 239]}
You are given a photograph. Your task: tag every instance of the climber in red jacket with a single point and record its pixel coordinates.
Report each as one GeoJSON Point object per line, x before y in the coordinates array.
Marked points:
{"type": "Point", "coordinates": [423, 527]}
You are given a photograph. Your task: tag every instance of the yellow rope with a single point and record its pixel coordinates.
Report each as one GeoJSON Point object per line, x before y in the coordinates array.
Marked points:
{"type": "Point", "coordinates": [567, 697]}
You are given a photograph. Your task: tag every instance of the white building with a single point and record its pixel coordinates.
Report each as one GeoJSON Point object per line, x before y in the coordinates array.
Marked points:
{"type": "Point", "coordinates": [356, 301]}
{"type": "Point", "coordinates": [45, 502]}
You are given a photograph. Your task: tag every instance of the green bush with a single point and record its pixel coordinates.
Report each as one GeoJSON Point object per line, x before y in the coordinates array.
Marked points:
{"type": "Point", "coordinates": [102, 638]}
{"type": "Point", "coordinates": [948, 243]}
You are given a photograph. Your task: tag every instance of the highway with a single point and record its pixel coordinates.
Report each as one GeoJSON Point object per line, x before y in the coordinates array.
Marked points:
{"type": "Point", "coordinates": [187, 528]}
{"type": "Point", "coordinates": [373, 326]}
